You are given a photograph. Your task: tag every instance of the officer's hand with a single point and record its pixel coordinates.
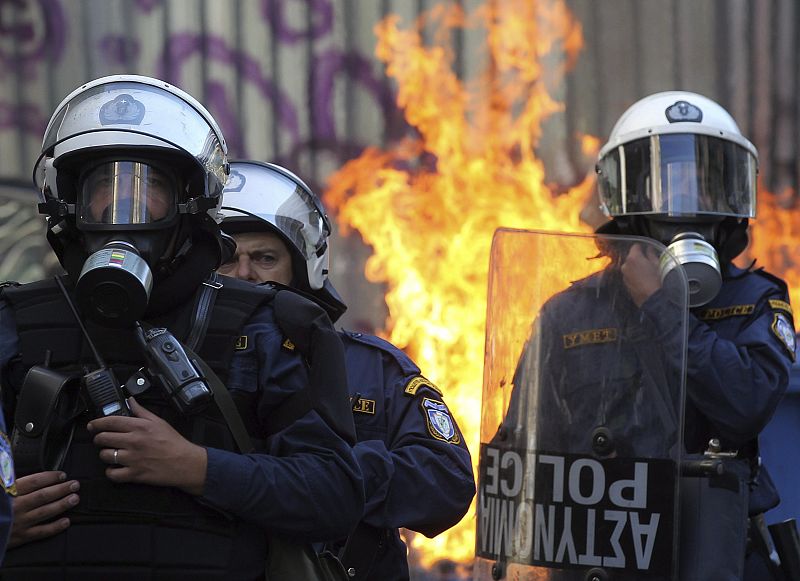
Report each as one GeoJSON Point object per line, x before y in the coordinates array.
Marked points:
{"type": "Point", "coordinates": [40, 498]}
{"type": "Point", "coordinates": [640, 272]}
{"type": "Point", "coordinates": [299, 318]}
{"type": "Point", "coordinates": [149, 451]}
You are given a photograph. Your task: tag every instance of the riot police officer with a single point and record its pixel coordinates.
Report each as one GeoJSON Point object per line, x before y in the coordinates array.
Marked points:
{"type": "Point", "coordinates": [677, 169]}
{"type": "Point", "coordinates": [186, 479]}
{"type": "Point", "coordinates": [600, 385]}
{"type": "Point", "coordinates": [416, 466]}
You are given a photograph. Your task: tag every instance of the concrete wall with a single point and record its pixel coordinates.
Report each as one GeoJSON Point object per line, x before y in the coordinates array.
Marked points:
{"type": "Point", "coordinates": [296, 82]}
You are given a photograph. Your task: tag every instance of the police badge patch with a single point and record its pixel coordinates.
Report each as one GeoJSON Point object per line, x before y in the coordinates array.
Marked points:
{"type": "Point", "coordinates": [684, 111]}
{"type": "Point", "coordinates": [416, 382]}
{"type": "Point", "coordinates": [122, 110]}
{"type": "Point", "coordinates": [784, 331]}
{"type": "Point", "coordinates": [440, 424]}
{"type": "Point", "coordinates": [7, 466]}
{"type": "Point", "coordinates": [236, 181]}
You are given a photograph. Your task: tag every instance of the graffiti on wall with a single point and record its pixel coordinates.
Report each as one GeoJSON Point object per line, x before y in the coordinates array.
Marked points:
{"type": "Point", "coordinates": [38, 36]}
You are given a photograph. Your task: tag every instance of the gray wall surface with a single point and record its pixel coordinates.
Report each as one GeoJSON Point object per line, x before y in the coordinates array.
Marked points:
{"type": "Point", "coordinates": [297, 82]}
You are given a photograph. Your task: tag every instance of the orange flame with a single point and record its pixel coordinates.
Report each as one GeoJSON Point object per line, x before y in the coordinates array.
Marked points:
{"type": "Point", "coordinates": [431, 227]}
{"type": "Point", "coordinates": [775, 239]}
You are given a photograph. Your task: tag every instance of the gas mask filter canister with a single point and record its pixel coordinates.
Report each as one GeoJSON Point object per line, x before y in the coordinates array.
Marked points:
{"type": "Point", "coordinates": [700, 262]}
{"type": "Point", "coordinates": [114, 285]}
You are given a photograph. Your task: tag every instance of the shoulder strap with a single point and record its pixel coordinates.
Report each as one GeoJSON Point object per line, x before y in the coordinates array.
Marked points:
{"type": "Point", "coordinates": [234, 302]}
{"type": "Point", "coordinates": [225, 404]}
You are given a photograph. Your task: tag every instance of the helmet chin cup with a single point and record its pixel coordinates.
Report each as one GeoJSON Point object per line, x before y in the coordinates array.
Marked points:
{"type": "Point", "coordinates": [700, 262]}
{"type": "Point", "coordinates": [114, 285]}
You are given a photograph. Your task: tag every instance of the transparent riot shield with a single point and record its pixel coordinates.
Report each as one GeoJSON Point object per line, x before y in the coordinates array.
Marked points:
{"type": "Point", "coordinates": [582, 412]}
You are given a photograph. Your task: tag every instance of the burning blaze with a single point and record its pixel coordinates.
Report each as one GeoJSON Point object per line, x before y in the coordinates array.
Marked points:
{"type": "Point", "coordinates": [775, 239]}
{"type": "Point", "coordinates": [429, 205]}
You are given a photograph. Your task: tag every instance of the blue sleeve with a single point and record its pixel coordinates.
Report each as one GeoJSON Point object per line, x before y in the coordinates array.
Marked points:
{"type": "Point", "coordinates": [737, 382]}
{"type": "Point", "coordinates": [737, 367]}
{"type": "Point", "coordinates": [307, 483]}
{"type": "Point", "coordinates": [416, 475]}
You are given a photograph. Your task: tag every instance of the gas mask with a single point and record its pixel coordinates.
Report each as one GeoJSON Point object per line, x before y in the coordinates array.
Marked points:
{"type": "Point", "coordinates": [126, 211]}
{"type": "Point", "coordinates": [690, 245]}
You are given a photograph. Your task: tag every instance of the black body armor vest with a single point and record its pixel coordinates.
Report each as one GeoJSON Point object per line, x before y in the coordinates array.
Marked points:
{"type": "Point", "coordinates": [134, 531]}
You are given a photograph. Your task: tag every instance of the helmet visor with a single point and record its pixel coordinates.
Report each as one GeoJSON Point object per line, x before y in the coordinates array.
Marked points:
{"type": "Point", "coordinates": [679, 175]}
{"type": "Point", "coordinates": [129, 114]}
{"type": "Point", "coordinates": [278, 201]}
{"type": "Point", "coordinates": [126, 193]}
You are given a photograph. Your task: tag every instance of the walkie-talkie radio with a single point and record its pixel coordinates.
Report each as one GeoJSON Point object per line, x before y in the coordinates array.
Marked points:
{"type": "Point", "coordinates": [101, 386]}
{"type": "Point", "coordinates": [105, 393]}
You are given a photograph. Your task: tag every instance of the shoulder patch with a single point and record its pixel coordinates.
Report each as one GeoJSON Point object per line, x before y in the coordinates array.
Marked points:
{"type": "Point", "coordinates": [439, 421]}
{"type": "Point", "coordinates": [7, 466]}
{"type": "Point", "coordinates": [241, 343]}
{"type": "Point", "coordinates": [416, 382]}
{"type": "Point", "coordinates": [784, 331]}
{"type": "Point", "coordinates": [714, 314]}
{"type": "Point", "coordinates": [288, 345]}
{"type": "Point", "coordinates": [590, 337]}
{"type": "Point", "coordinates": [778, 305]}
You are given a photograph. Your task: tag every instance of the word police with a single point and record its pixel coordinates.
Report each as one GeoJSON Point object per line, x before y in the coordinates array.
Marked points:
{"type": "Point", "coordinates": [566, 511]}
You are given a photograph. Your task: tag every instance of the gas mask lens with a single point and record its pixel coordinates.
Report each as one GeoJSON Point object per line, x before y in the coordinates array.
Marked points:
{"type": "Point", "coordinates": [126, 193]}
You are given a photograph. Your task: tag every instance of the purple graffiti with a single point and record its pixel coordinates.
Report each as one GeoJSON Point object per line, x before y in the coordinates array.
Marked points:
{"type": "Point", "coordinates": [224, 113]}
{"type": "Point", "coordinates": [328, 66]}
{"type": "Point", "coordinates": [25, 117]}
{"type": "Point", "coordinates": [22, 32]}
{"type": "Point", "coordinates": [34, 31]}
{"type": "Point", "coordinates": [274, 11]}
{"type": "Point", "coordinates": [147, 5]}
{"type": "Point", "coordinates": [181, 47]}
{"type": "Point", "coordinates": [119, 49]}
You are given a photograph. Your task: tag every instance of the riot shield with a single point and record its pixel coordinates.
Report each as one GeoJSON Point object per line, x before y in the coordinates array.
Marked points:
{"type": "Point", "coordinates": [582, 412]}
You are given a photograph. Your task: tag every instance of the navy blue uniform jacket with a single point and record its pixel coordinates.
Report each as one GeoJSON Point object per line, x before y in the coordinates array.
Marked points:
{"type": "Point", "coordinates": [416, 467]}
{"type": "Point", "coordinates": [740, 349]}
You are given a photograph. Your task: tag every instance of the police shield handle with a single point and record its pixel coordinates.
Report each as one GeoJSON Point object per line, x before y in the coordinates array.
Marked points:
{"type": "Point", "coordinates": [702, 468]}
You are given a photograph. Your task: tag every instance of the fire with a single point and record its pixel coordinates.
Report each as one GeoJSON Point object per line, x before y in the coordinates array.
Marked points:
{"type": "Point", "coordinates": [775, 239]}
{"type": "Point", "coordinates": [430, 204]}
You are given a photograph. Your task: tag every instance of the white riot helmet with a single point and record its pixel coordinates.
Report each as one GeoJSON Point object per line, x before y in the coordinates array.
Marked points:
{"type": "Point", "coordinates": [131, 175]}
{"type": "Point", "coordinates": [137, 116]}
{"type": "Point", "coordinates": [267, 197]}
{"type": "Point", "coordinates": [676, 168]}
{"type": "Point", "coordinates": [677, 154]}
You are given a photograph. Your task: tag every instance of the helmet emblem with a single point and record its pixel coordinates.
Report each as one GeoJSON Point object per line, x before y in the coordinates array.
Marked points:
{"type": "Point", "coordinates": [684, 111]}
{"type": "Point", "coordinates": [236, 181]}
{"type": "Point", "coordinates": [123, 109]}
